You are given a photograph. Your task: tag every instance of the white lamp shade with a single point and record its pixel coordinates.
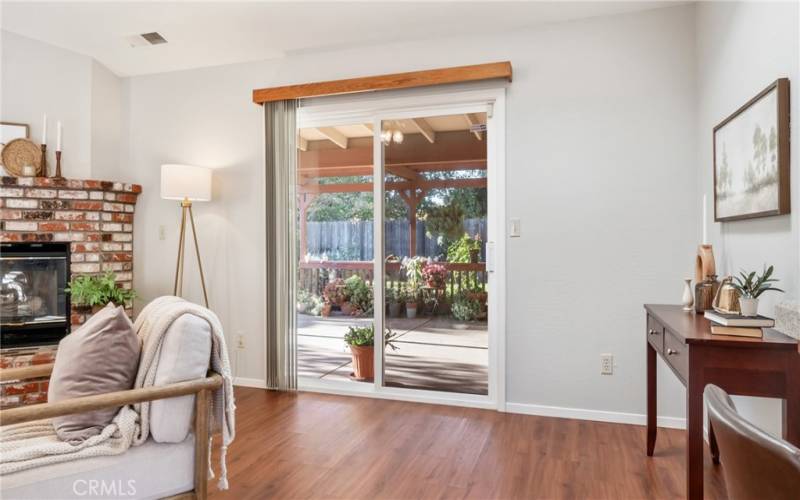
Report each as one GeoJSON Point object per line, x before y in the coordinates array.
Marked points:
{"type": "Point", "coordinates": [185, 182]}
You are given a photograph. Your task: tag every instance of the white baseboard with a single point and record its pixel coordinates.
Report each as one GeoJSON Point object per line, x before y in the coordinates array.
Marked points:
{"type": "Point", "coordinates": [250, 382]}
{"type": "Point", "coordinates": [596, 415]}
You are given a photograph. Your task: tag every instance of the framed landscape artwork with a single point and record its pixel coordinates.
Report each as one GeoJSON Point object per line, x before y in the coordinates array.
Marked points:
{"type": "Point", "coordinates": [751, 157]}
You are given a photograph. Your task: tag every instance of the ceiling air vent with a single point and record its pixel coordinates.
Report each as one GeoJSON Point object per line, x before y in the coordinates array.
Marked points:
{"type": "Point", "coordinates": [154, 38]}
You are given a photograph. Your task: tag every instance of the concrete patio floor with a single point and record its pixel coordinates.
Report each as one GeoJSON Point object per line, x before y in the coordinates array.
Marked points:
{"type": "Point", "coordinates": [434, 353]}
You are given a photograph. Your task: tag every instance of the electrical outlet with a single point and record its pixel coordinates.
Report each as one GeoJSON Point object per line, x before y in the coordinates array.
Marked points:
{"type": "Point", "coordinates": [162, 233]}
{"type": "Point", "coordinates": [240, 341]}
{"type": "Point", "coordinates": [606, 364]}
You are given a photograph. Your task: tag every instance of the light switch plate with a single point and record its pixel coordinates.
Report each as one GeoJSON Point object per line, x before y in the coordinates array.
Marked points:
{"type": "Point", "coordinates": [515, 229]}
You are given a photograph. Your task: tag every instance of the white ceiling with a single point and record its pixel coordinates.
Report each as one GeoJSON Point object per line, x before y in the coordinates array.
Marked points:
{"type": "Point", "coordinates": [224, 32]}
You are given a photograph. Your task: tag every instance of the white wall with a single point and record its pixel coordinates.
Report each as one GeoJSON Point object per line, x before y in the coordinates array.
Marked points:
{"type": "Point", "coordinates": [39, 78]}
{"type": "Point", "coordinates": [742, 48]}
{"type": "Point", "coordinates": [601, 170]}
{"type": "Point", "coordinates": [106, 122]}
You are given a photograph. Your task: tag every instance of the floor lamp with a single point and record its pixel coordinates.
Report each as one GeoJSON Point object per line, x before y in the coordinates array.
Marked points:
{"type": "Point", "coordinates": [186, 184]}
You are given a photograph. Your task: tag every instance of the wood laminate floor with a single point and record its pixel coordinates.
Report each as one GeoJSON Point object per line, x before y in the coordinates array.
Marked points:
{"type": "Point", "coordinates": [334, 447]}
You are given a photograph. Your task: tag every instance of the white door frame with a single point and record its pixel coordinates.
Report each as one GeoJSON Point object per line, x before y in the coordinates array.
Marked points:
{"type": "Point", "coordinates": [415, 104]}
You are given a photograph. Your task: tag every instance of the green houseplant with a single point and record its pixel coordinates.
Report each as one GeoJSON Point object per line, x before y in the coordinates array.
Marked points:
{"type": "Point", "coordinates": [750, 287]}
{"type": "Point", "coordinates": [361, 340]}
{"type": "Point", "coordinates": [413, 267]}
{"type": "Point", "coordinates": [394, 298]}
{"type": "Point", "coordinates": [89, 292]}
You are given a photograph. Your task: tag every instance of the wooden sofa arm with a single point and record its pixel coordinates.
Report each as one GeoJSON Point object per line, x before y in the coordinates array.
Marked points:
{"type": "Point", "coordinates": [111, 399]}
{"type": "Point", "coordinates": [26, 372]}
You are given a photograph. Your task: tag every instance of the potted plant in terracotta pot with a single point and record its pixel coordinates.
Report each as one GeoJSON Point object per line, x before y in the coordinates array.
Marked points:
{"type": "Point", "coordinates": [361, 340]}
{"type": "Point", "coordinates": [332, 295]}
{"type": "Point", "coordinates": [751, 286]}
{"type": "Point", "coordinates": [90, 293]}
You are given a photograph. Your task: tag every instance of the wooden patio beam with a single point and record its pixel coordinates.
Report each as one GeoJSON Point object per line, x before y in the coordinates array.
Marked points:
{"type": "Point", "coordinates": [334, 136]}
{"type": "Point", "coordinates": [424, 128]}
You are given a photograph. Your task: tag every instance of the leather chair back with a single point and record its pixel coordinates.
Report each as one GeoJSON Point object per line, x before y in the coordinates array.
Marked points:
{"type": "Point", "coordinates": [755, 464]}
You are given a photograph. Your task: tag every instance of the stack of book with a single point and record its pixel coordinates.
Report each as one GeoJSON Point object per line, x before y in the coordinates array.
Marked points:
{"type": "Point", "coordinates": [738, 325]}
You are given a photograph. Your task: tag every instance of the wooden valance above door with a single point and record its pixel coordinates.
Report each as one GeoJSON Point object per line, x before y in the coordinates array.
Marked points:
{"type": "Point", "coordinates": [459, 74]}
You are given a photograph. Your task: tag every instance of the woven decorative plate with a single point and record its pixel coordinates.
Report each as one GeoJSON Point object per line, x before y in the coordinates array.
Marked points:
{"type": "Point", "coordinates": [20, 152]}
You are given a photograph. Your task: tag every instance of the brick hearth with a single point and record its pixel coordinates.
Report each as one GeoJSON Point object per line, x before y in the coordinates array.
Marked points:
{"type": "Point", "coordinates": [96, 217]}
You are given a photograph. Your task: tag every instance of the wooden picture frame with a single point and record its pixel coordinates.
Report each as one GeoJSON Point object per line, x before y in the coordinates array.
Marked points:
{"type": "Point", "coordinates": [751, 157]}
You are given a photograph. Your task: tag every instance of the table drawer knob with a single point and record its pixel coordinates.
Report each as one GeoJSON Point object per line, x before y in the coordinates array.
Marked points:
{"type": "Point", "coordinates": [652, 332]}
{"type": "Point", "coordinates": [671, 352]}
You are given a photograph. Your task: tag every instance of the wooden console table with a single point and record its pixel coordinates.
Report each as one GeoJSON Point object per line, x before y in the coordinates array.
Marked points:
{"type": "Point", "coordinates": [767, 367]}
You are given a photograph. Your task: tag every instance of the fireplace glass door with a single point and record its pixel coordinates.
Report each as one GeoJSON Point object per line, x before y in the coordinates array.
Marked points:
{"type": "Point", "coordinates": [33, 301]}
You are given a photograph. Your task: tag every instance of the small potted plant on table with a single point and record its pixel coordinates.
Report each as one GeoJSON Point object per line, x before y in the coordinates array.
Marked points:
{"type": "Point", "coordinates": [90, 293]}
{"type": "Point", "coordinates": [361, 340]}
{"type": "Point", "coordinates": [751, 286]}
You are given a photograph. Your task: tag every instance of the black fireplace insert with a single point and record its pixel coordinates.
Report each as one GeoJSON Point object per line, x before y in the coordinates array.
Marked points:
{"type": "Point", "coordinates": [34, 307]}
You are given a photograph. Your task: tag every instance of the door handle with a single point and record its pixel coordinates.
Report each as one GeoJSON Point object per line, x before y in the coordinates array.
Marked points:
{"type": "Point", "coordinates": [490, 256]}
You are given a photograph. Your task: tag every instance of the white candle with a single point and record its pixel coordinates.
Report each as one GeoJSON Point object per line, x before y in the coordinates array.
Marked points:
{"type": "Point", "coordinates": [705, 222]}
{"type": "Point", "coordinates": [44, 130]}
{"type": "Point", "coordinates": [58, 136]}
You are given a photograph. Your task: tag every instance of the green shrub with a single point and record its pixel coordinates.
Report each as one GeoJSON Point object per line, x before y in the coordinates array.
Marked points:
{"type": "Point", "coordinates": [98, 291]}
{"type": "Point", "coordinates": [459, 250]}
{"type": "Point", "coordinates": [309, 303]}
{"type": "Point", "coordinates": [465, 308]}
{"type": "Point", "coordinates": [359, 294]}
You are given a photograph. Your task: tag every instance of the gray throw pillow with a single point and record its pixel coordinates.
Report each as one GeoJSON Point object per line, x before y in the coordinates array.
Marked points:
{"type": "Point", "coordinates": [101, 356]}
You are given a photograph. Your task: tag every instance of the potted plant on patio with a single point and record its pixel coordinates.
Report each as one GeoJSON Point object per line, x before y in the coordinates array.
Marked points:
{"type": "Point", "coordinates": [413, 267]}
{"type": "Point", "coordinates": [358, 296]}
{"type": "Point", "coordinates": [751, 286]}
{"type": "Point", "coordinates": [465, 249]}
{"type": "Point", "coordinates": [465, 307]}
{"type": "Point", "coordinates": [361, 340]}
{"type": "Point", "coordinates": [332, 295]}
{"type": "Point", "coordinates": [475, 249]}
{"type": "Point", "coordinates": [435, 275]}
{"type": "Point", "coordinates": [394, 299]}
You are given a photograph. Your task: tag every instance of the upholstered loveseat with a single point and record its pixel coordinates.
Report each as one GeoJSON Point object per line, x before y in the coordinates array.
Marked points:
{"type": "Point", "coordinates": [172, 463]}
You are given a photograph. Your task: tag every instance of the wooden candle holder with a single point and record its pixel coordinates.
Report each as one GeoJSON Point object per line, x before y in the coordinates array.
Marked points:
{"type": "Point", "coordinates": [43, 162]}
{"type": "Point", "coordinates": [58, 166]}
{"type": "Point", "coordinates": [704, 264]}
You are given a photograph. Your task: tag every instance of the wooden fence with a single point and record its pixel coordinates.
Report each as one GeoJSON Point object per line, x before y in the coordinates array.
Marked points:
{"type": "Point", "coordinates": [352, 241]}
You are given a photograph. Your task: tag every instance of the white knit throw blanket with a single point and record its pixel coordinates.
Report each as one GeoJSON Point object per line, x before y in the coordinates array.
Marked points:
{"type": "Point", "coordinates": [32, 444]}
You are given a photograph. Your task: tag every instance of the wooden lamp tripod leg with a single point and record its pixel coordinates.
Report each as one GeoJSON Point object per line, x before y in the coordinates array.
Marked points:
{"type": "Point", "coordinates": [197, 252]}
{"type": "Point", "coordinates": [177, 288]}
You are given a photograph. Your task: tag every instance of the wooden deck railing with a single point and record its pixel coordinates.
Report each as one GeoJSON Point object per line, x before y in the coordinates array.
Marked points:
{"type": "Point", "coordinates": [314, 275]}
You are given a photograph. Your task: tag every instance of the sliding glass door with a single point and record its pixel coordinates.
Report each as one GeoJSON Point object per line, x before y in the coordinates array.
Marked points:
{"type": "Point", "coordinates": [434, 232]}
{"type": "Point", "coordinates": [397, 219]}
{"type": "Point", "coordinates": [335, 218]}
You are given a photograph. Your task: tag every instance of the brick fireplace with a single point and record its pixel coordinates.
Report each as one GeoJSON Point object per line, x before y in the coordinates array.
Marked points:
{"type": "Point", "coordinates": [95, 217]}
